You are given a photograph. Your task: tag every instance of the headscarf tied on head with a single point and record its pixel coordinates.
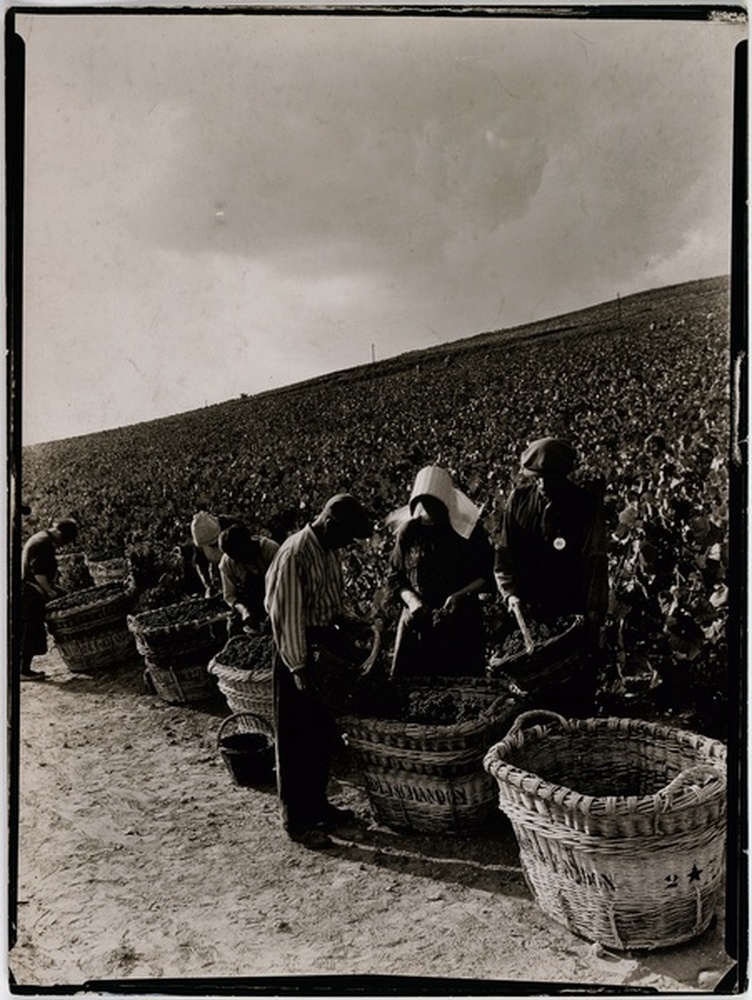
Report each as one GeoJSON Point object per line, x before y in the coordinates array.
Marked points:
{"type": "Point", "coordinates": [436, 482]}
{"type": "Point", "coordinates": [204, 528]}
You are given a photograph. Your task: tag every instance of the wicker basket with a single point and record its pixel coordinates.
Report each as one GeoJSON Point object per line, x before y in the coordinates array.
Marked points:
{"type": "Point", "coordinates": [89, 628]}
{"type": "Point", "coordinates": [200, 631]}
{"type": "Point", "coordinates": [107, 570]}
{"type": "Point", "coordinates": [556, 663]}
{"type": "Point", "coordinates": [620, 824]}
{"type": "Point", "coordinates": [246, 744]}
{"type": "Point", "coordinates": [249, 690]}
{"type": "Point", "coordinates": [340, 674]}
{"type": "Point", "coordinates": [430, 778]}
{"type": "Point", "coordinates": [179, 685]}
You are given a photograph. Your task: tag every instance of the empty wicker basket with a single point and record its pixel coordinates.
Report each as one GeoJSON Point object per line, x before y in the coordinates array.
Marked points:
{"type": "Point", "coordinates": [620, 824]}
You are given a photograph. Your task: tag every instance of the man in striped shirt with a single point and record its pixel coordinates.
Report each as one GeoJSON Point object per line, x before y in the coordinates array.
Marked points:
{"type": "Point", "coordinates": [304, 596]}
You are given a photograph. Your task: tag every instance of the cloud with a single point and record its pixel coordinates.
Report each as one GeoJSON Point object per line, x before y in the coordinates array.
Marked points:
{"type": "Point", "coordinates": [289, 190]}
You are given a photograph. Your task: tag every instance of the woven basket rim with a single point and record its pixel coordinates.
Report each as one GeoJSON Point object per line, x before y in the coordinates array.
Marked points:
{"type": "Point", "coordinates": [118, 590]}
{"type": "Point", "coordinates": [240, 675]}
{"type": "Point", "coordinates": [393, 727]}
{"type": "Point", "coordinates": [139, 623]}
{"type": "Point", "coordinates": [569, 800]}
{"type": "Point", "coordinates": [577, 626]}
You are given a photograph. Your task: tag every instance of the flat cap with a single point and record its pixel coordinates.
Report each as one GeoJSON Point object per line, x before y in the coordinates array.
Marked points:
{"type": "Point", "coordinates": [548, 455]}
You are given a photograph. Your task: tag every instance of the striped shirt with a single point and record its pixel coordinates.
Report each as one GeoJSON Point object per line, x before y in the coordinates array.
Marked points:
{"type": "Point", "coordinates": [303, 588]}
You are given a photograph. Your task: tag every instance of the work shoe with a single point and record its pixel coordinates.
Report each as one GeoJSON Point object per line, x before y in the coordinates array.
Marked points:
{"type": "Point", "coordinates": [334, 817]}
{"type": "Point", "coordinates": [314, 839]}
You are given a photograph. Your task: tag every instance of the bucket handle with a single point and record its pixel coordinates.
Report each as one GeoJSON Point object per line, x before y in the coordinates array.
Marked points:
{"type": "Point", "coordinates": [666, 795]}
{"type": "Point", "coordinates": [539, 714]}
{"type": "Point", "coordinates": [234, 718]}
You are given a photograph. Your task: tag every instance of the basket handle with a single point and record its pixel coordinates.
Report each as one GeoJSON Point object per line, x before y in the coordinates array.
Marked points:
{"type": "Point", "coordinates": [233, 718]}
{"type": "Point", "coordinates": [688, 776]}
{"type": "Point", "coordinates": [539, 714]}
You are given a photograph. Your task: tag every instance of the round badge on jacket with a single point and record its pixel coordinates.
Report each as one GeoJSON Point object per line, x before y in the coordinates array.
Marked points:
{"type": "Point", "coordinates": [560, 543]}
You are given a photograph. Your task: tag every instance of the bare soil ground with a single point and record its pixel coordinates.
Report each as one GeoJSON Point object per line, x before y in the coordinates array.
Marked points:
{"type": "Point", "coordinates": [141, 863]}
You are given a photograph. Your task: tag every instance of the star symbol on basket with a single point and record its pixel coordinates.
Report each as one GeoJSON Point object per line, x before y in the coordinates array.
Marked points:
{"type": "Point", "coordinates": [694, 875]}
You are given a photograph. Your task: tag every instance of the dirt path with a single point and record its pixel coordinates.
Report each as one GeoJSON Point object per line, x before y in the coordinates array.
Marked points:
{"type": "Point", "coordinates": [140, 860]}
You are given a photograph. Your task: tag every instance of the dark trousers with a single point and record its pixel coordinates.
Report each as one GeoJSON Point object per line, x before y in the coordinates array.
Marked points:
{"type": "Point", "coordinates": [305, 734]}
{"type": "Point", "coordinates": [33, 631]}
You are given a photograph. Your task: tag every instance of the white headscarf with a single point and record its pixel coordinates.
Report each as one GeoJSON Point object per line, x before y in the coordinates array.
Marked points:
{"type": "Point", "coordinates": [436, 482]}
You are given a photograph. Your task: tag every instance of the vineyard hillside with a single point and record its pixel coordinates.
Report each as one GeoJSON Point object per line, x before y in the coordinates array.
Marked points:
{"type": "Point", "coordinates": [640, 385]}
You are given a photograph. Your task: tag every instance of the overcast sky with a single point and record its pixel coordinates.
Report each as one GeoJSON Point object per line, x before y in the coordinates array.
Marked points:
{"type": "Point", "coordinates": [218, 204]}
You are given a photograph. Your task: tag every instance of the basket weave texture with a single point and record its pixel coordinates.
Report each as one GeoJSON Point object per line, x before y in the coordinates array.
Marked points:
{"type": "Point", "coordinates": [180, 685]}
{"type": "Point", "coordinates": [429, 777]}
{"type": "Point", "coordinates": [199, 631]}
{"type": "Point", "coordinates": [245, 690]}
{"type": "Point", "coordinates": [620, 824]}
{"type": "Point", "coordinates": [89, 628]}
{"type": "Point", "coordinates": [553, 663]}
{"type": "Point", "coordinates": [107, 570]}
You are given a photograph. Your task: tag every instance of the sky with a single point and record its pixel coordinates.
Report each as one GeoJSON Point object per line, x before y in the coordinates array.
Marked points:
{"type": "Point", "coordinates": [218, 204]}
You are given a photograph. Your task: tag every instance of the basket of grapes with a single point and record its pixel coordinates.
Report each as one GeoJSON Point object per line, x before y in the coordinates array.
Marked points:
{"type": "Point", "coordinates": [422, 764]}
{"type": "Point", "coordinates": [243, 668]}
{"type": "Point", "coordinates": [187, 633]}
{"type": "Point", "coordinates": [89, 627]}
{"type": "Point", "coordinates": [542, 657]}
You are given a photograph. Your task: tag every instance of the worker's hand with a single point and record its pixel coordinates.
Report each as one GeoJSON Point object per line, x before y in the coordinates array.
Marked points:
{"type": "Point", "coordinates": [417, 612]}
{"type": "Point", "coordinates": [452, 603]}
{"type": "Point", "coordinates": [301, 680]}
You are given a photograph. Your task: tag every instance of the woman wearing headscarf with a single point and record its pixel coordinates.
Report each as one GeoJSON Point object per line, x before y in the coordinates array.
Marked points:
{"type": "Point", "coordinates": [441, 561]}
{"type": "Point", "coordinates": [205, 531]}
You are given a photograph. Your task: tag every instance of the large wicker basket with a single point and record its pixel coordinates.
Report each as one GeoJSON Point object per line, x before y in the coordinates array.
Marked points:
{"type": "Point", "coordinates": [620, 824]}
{"type": "Point", "coordinates": [427, 777]}
{"type": "Point", "coordinates": [245, 690]}
{"type": "Point", "coordinates": [197, 631]}
{"type": "Point", "coordinates": [89, 628]}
